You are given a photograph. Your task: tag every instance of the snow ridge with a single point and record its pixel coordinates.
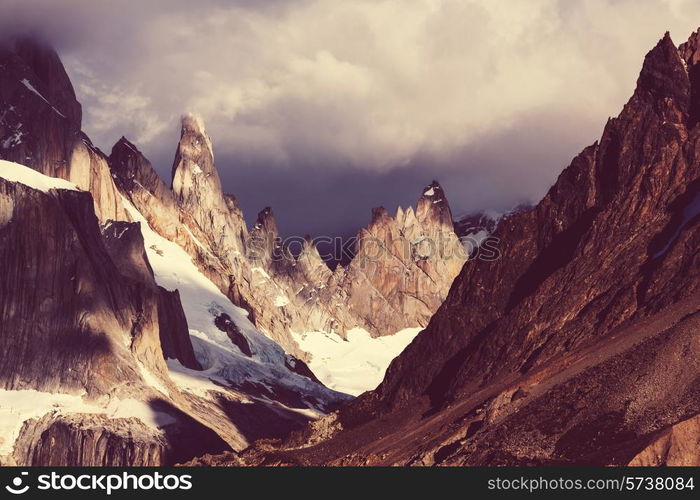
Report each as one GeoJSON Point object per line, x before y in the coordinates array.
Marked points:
{"type": "Point", "coordinates": [14, 172]}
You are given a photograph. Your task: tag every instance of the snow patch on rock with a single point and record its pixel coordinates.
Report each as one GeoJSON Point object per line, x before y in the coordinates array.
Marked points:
{"type": "Point", "coordinates": [31, 88]}
{"type": "Point", "coordinates": [14, 172]}
{"type": "Point", "coordinates": [281, 301]}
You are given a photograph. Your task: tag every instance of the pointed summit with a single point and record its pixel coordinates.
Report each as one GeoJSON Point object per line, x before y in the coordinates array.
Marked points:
{"type": "Point", "coordinates": [47, 76]}
{"type": "Point", "coordinates": [378, 214]}
{"type": "Point", "coordinates": [433, 206]}
{"type": "Point", "coordinates": [265, 225]}
{"type": "Point", "coordinates": [126, 147]}
{"type": "Point", "coordinates": [195, 181]}
{"type": "Point", "coordinates": [400, 215]}
{"type": "Point", "coordinates": [690, 50]}
{"type": "Point", "coordinates": [664, 75]}
{"type": "Point", "coordinates": [131, 170]}
{"type": "Point", "coordinates": [194, 124]}
{"type": "Point", "coordinates": [266, 220]}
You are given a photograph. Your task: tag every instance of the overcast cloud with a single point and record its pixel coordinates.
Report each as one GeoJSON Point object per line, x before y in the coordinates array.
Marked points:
{"type": "Point", "coordinates": [324, 109]}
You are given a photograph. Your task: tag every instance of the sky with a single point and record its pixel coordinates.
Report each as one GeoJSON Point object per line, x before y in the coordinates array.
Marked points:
{"type": "Point", "coordinates": [324, 109]}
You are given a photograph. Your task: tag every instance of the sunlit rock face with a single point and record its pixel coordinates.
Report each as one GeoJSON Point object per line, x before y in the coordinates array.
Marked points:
{"type": "Point", "coordinates": [401, 273]}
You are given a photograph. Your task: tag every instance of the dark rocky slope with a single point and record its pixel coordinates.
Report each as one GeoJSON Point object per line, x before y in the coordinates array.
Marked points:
{"type": "Point", "coordinates": [609, 243]}
{"type": "Point", "coordinates": [40, 123]}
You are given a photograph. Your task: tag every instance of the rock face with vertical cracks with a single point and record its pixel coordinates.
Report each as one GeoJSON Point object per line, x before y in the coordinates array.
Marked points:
{"type": "Point", "coordinates": [124, 242]}
{"type": "Point", "coordinates": [40, 124]}
{"type": "Point", "coordinates": [66, 308]}
{"type": "Point", "coordinates": [89, 440]}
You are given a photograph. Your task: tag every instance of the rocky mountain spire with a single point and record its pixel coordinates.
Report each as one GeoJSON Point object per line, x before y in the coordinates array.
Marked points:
{"type": "Point", "coordinates": [132, 170]}
{"type": "Point", "coordinates": [263, 243]}
{"type": "Point", "coordinates": [142, 186]}
{"type": "Point", "coordinates": [195, 181]}
{"type": "Point", "coordinates": [266, 222]}
{"type": "Point", "coordinates": [197, 189]}
{"type": "Point", "coordinates": [664, 73]}
{"type": "Point", "coordinates": [433, 206]}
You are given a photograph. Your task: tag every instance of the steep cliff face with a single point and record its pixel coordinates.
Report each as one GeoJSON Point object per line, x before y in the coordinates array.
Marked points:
{"type": "Point", "coordinates": [72, 323]}
{"type": "Point", "coordinates": [136, 179]}
{"type": "Point", "coordinates": [124, 242]}
{"type": "Point", "coordinates": [40, 114]}
{"type": "Point", "coordinates": [61, 289]}
{"type": "Point", "coordinates": [89, 440]}
{"type": "Point", "coordinates": [40, 123]}
{"type": "Point", "coordinates": [197, 188]}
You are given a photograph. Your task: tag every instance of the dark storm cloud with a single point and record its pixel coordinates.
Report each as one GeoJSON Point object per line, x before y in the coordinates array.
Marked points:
{"type": "Point", "coordinates": [324, 109]}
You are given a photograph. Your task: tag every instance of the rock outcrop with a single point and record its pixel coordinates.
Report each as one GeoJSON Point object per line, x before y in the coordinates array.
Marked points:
{"type": "Point", "coordinates": [89, 440]}
{"type": "Point", "coordinates": [40, 124]}
{"type": "Point", "coordinates": [678, 445]}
